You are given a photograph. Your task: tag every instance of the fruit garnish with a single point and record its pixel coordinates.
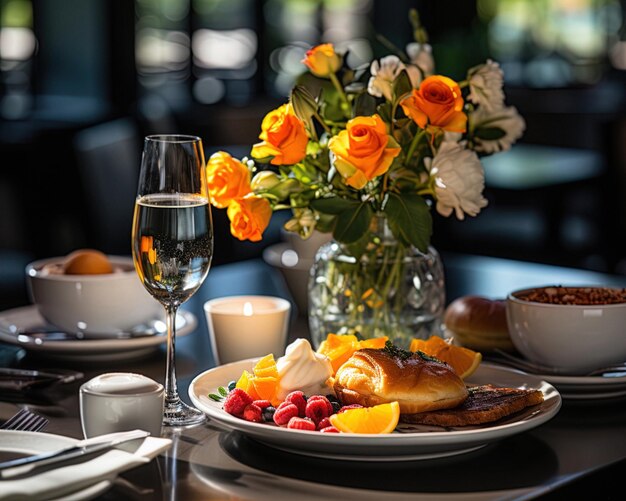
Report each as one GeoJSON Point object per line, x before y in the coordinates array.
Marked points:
{"type": "Point", "coordinates": [246, 384]}
{"type": "Point", "coordinates": [262, 383]}
{"type": "Point", "coordinates": [266, 388]}
{"type": "Point", "coordinates": [266, 367]}
{"type": "Point", "coordinates": [381, 418]}
{"type": "Point", "coordinates": [463, 360]}
{"type": "Point", "coordinates": [339, 348]}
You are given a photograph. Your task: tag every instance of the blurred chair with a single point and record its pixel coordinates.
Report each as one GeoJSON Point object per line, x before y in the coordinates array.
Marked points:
{"type": "Point", "coordinates": [108, 157]}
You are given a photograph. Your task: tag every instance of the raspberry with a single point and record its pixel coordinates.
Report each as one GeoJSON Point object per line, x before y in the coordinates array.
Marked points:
{"type": "Point", "coordinates": [253, 413]}
{"type": "Point", "coordinates": [329, 406]}
{"type": "Point", "coordinates": [262, 403]}
{"type": "Point", "coordinates": [348, 407]}
{"type": "Point", "coordinates": [284, 413]}
{"type": "Point", "coordinates": [298, 423]}
{"type": "Point", "coordinates": [236, 402]}
{"type": "Point", "coordinates": [323, 423]}
{"type": "Point", "coordinates": [299, 400]}
{"type": "Point", "coordinates": [329, 429]}
{"type": "Point", "coordinates": [318, 409]}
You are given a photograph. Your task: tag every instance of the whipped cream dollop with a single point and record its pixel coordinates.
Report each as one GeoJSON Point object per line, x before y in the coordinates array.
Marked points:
{"type": "Point", "coordinates": [300, 368]}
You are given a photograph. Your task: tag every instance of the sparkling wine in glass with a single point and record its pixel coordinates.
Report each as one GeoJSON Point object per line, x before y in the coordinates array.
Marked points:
{"type": "Point", "coordinates": [172, 241]}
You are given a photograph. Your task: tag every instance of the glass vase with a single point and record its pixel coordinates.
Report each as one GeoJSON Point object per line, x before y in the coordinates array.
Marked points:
{"type": "Point", "coordinates": [391, 290]}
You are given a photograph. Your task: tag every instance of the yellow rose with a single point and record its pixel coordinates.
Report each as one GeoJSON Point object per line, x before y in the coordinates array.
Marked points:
{"type": "Point", "coordinates": [284, 137]}
{"type": "Point", "coordinates": [227, 179]}
{"type": "Point", "coordinates": [249, 216]}
{"type": "Point", "coordinates": [322, 60]}
{"type": "Point", "coordinates": [437, 103]}
{"type": "Point", "coordinates": [364, 150]}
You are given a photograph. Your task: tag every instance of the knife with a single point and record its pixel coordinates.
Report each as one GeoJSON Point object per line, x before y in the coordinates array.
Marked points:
{"type": "Point", "coordinates": [21, 466]}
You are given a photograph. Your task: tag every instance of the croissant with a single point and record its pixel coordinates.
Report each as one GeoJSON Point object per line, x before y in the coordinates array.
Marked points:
{"type": "Point", "coordinates": [417, 382]}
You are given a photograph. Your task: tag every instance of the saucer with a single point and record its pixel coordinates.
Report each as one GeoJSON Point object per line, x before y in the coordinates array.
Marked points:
{"type": "Point", "coordinates": [96, 350]}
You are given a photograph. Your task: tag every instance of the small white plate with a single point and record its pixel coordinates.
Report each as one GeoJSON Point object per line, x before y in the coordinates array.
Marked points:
{"type": "Point", "coordinates": [96, 350]}
{"type": "Point", "coordinates": [409, 442]}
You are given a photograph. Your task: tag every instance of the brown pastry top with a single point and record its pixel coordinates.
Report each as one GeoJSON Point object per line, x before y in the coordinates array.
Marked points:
{"type": "Point", "coordinates": [417, 382]}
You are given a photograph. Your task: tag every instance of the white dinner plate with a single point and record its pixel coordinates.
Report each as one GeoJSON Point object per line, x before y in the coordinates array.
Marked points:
{"type": "Point", "coordinates": [16, 443]}
{"type": "Point", "coordinates": [96, 350]}
{"type": "Point", "coordinates": [408, 442]}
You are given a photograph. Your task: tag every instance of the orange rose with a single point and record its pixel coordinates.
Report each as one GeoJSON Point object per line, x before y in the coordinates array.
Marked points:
{"type": "Point", "coordinates": [284, 137]}
{"type": "Point", "coordinates": [249, 216]}
{"type": "Point", "coordinates": [322, 60]}
{"type": "Point", "coordinates": [227, 178]}
{"type": "Point", "coordinates": [437, 103]}
{"type": "Point", "coordinates": [364, 150]}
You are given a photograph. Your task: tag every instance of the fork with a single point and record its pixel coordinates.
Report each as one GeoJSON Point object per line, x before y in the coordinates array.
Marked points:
{"type": "Point", "coordinates": [25, 420]}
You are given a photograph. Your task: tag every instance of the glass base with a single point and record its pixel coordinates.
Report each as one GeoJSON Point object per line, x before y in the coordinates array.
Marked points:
{"type": "Point", "coordinates": [178, 413]}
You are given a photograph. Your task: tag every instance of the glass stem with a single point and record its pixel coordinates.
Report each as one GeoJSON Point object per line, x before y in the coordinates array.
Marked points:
{"type": "Point", "coordinates": [171, 390]}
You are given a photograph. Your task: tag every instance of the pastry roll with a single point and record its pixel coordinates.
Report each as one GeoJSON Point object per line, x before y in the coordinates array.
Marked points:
{"type": "Point", "coordinates": [417, 382]}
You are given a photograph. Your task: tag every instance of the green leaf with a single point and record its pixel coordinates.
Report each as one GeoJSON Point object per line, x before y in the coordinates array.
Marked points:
{"type": "Point", "coordinates": [222, 391]}
{"type": "Point", "coordinates": [364, 105]}
{"type": "Point", "coordinates": [334, 205]}
{"type": "Point", "coordinates": [352, 224]}
{"type": "Point", "coordinates": [410, 219]}
{"type": "Point", "coordinates": [357, 249]}
{"type": "Point", "coordinates": [489, 133]}
{"type": "Point", "coordinates": [402, 85]}
{"type": "Point", "coordinates": [215, 397]}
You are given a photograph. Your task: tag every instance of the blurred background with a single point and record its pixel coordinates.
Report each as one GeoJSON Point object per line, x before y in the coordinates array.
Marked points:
{"type": "Point", "coordinates": [82, 81]}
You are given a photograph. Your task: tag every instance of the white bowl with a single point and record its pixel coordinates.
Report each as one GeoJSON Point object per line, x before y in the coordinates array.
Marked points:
{"type": "Point", "coordinates": [94, 304]}
{"type": "Point", "coordinates": [571, 338]}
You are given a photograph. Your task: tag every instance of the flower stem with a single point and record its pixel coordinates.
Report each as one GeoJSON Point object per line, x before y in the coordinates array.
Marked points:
{"type": "Point", "coordinates": [339, 87]}
{"type": "Point", "coordinates": [414, 143]}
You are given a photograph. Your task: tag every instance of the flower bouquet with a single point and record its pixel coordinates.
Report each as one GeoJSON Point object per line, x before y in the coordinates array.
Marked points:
{"type": "Point", "coordinates": [366, 153]}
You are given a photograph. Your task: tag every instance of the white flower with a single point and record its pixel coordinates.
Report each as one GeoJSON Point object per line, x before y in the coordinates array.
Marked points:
{"type": "Point", "coordinates": [485, 83]}
{"type": "Point", "coordinates": [495, 130]}
{"type": "Point", "coordinates": [459, 180]}
{"type": "Point", "coordinates": [421, 55]}
{"type": "Point", "coordinates": [384, 74]}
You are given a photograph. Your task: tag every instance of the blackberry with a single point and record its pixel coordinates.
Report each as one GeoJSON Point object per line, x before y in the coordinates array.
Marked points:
{"type": "Point", "coordinates": [268, 413]}
{"type": "Point", "coordinates": [336, 406]}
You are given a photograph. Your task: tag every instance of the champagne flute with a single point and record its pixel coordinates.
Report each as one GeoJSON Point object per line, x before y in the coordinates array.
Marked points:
{"type": "Point", "coordinates": [172, 241]}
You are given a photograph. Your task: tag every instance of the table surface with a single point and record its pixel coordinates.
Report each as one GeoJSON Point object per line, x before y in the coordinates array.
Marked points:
{"type": "Point", "coordinates": [208, 463]}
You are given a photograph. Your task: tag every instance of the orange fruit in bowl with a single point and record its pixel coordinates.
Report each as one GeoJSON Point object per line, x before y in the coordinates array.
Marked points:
{"type": "Point", "coordinates": [463, 360]}
{"type": "Point", "coordinates": [378, 419]}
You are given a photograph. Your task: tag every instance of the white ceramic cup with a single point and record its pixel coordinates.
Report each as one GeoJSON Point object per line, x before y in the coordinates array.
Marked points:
{"type": "Point", "coordinates": [243, 327]}
{"type": "Point", "coordinates": [121, 401]}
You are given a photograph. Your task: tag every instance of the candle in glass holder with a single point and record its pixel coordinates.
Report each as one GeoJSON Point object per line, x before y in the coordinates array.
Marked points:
{"type": "Point", "coordinates": [243, 327]}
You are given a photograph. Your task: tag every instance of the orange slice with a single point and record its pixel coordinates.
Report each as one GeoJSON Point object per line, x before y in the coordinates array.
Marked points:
{"type": "Point", "coordinates": [381, 418]}
{"type": "Point", "coordinates": [339, 348]}
{"type": "Point", "coordinates": [463, 360]}
{"type": "Point", "coordinates": [266, 387]}
{"type": "Point", "coordinates": [245, 382]}
{"type": "Point", "coordinates": [266, 367]}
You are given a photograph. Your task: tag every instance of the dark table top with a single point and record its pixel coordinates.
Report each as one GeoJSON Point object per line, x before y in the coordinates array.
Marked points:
{"type": "Point", "coordinates": [565, 455]}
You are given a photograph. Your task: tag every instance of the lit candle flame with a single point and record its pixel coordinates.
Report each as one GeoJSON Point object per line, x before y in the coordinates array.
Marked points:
{"type": "Point", "coordinates": [247, 309]}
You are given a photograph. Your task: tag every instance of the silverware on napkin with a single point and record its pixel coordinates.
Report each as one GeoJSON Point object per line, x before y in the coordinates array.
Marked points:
{"type": "Point", "coordinates": [22, 466]}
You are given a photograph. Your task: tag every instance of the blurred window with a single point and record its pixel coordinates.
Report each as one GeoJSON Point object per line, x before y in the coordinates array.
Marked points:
{"type": "Point", "coordinates": [553, 43]}
{"type": "Point", "coordinates": [17, 48]}
{"type": "Point", "coordinates": [234, 50]}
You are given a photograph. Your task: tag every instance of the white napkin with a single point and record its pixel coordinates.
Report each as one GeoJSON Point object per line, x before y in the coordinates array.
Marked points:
{"type": "Point", "coordinates": [69, 479]}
